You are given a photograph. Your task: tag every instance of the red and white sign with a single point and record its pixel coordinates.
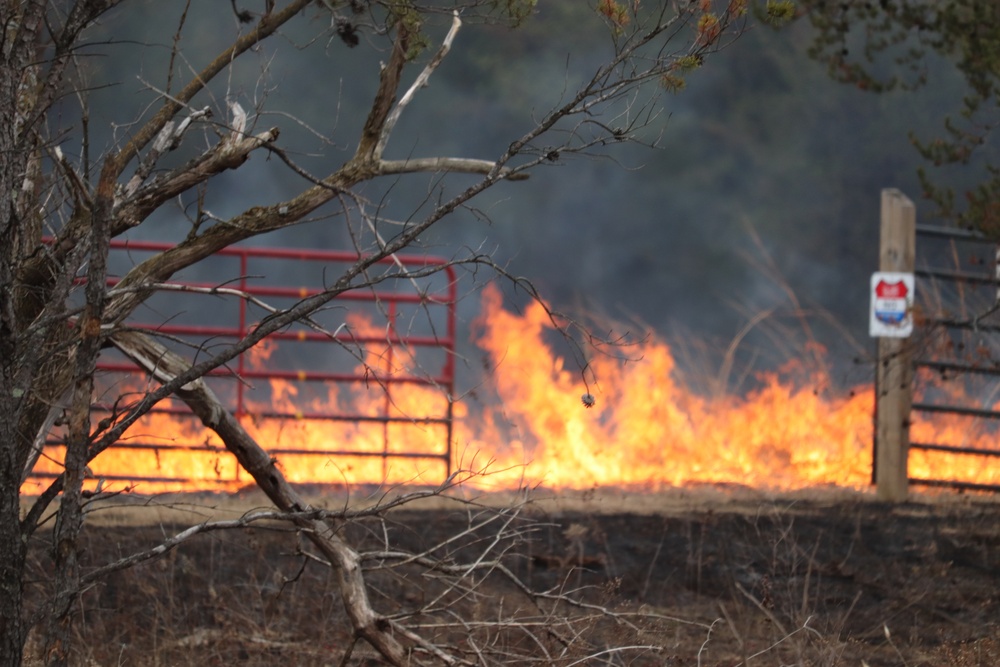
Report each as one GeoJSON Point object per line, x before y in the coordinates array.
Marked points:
{"type": "Point", "coordinates": [891, 305]}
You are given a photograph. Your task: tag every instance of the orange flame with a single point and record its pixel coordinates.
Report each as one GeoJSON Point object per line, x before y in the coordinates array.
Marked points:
{"type": "Point", "coordinates": [645, 430]}
{"type": "Point", "coordinates": [648, 430]}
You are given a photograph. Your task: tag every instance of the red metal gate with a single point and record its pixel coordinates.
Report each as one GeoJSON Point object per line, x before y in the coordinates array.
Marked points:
{"type": "Point", "coordinates": [400, 337]}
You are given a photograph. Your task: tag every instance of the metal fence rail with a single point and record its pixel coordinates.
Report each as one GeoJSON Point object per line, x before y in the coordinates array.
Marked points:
{"type": "Point", "coordinates": [958, 368]}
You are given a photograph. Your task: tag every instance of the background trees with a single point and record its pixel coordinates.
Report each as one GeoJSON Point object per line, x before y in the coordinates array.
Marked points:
{"type": "Point", "coordinates": [888, 45]}
{"type": "Point", "coordinates": [86, 160]}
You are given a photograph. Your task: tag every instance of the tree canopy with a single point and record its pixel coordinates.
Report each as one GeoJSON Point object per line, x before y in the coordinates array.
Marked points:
{"type": "Point", "coordinates": [901, 44]}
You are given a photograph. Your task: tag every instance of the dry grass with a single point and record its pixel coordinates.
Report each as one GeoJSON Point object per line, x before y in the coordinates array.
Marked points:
{"type": "Point", "coordinates": [181, 508]}
{"type": "Point", "coordinates": [725, 575]}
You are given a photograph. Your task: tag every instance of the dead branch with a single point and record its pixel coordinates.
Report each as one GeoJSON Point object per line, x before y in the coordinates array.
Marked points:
{"type": "Point", "coordinates": [168, 139]}
{"type": "Point", "coordinates": [267, 26]}
{"type": "Point", "coordinates": [178, 539]}
{"type": "Point", "coordinates": [229, 153]}
{"type": "Point", "coordinates": [390, 121]}
{"type": "Point", "coordinates": [346, 563]}
{"type": "Point", "coordinates": [228, 291]}
{"type": "Point", "coordinates": [448, 164]}
{"type": "Point", "coordinates": [384, 96]}
{"type": "Point", "coordinates": [55, 412]}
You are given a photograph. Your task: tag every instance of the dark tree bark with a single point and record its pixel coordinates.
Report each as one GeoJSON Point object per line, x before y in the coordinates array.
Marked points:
{"type": "Point", "coordinates": [21, 23]}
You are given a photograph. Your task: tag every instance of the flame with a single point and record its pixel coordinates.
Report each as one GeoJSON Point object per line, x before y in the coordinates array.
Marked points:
{"type": "Point", "coordinates": [646, 428]}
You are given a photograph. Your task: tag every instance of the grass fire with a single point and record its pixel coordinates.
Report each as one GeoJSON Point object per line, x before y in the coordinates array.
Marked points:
{"type": "Point", "coordinates": [646, 428]}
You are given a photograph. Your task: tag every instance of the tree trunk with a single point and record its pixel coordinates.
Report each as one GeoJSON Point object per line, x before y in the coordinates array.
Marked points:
{"type": "Point", "coordinates": [18, 121]}
{"type": "Point", "coordinates": [12, 561]}
{"type": "Point", "coordinates": [12, 165]}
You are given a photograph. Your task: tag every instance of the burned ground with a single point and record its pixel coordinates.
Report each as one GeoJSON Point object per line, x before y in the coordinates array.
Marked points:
{"type": "Point", "coordinates": [762, 582]}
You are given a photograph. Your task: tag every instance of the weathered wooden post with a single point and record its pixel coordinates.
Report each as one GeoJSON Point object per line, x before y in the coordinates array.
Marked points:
{"type": "Point", "coordinates": [894, 371]}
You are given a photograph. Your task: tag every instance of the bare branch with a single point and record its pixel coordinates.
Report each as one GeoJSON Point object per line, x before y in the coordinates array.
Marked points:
{"type": "Point", "coordinates": [267, 26]}
{"type": "Point", "coordinates": [448, 164]}
{"type": "Point", "coordinates": [384, 96]}
{"type": "Point", "coordinates": [177, 540]}
{"type": "Point", "coordinates": [80, 191]}
{"type": "Point", "coordinates": [230, 153]}
{"type": "Point", "coordinates": [168, 139]}
{"type": "Point", "coordinates": [422, 78]}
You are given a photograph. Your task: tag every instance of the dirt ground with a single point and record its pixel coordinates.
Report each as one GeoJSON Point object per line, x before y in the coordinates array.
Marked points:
{"type": "Point", "coordinates": [735, 576]}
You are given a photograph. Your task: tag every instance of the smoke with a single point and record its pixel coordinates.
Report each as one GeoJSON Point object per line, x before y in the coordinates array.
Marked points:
{"type": "Point", "coordinates": [761, 195]}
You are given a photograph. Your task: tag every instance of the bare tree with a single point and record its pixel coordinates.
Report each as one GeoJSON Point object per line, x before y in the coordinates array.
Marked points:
{"type": "Point", "coordinates": [61, 205]}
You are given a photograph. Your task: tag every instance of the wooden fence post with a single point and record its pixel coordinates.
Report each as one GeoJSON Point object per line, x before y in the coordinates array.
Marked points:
{"type": "Point", "coordinates": [894, 368]}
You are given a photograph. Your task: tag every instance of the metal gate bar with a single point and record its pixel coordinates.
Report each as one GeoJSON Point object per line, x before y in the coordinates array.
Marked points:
{"type": "Point", "coordinates": [954, 484]}
{"type": "Point", "coordinates": [957, 367]}
{"type": "Point", "coordinates": [444, 296]}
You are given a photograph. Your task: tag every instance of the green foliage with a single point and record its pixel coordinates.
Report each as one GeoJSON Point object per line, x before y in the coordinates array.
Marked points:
{"type": "Point", "coordinates": [516, 10]}
{"type": "Point", "coordinates": [673, 80]}
{"type": "Point", "coordinates": [778, 12]}
{"type": "Point", "coordinates": [616, 13]}
{"type": "Point", "coordinates": [890, 44]}
{"type": "Point", "coordinates": [672, 83]}
{"type": "Point", "coordinates": [688, 63]}
{"type": "Point", "coordinates": [406, 16]}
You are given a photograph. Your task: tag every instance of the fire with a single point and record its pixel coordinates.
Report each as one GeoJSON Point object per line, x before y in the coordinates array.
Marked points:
{"type": "Point", "coordinates": [646, 429]}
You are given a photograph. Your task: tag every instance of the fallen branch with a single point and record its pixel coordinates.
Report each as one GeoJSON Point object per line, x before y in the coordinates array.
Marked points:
{"type": "Point", "coordinates": [344, 560]}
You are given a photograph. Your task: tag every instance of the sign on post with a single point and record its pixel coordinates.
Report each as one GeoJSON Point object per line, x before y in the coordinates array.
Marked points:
{"type": "Point", "coordinates": [891, 314]}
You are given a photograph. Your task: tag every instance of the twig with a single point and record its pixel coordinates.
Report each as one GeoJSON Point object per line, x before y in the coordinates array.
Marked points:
{"type": "Point", "coordinates": [767, 612]}
{"type": "Point", "coordinates": [732, 628]}
{"type": "Point", "coordinates": [454, 164]}
{"type": "Point", "coordinates": [178, 539]}
{"type": "Point", "coordinates": [227, 291]}
{"type": "Point", "coordinates": [615, 649]}
{"type": "Point", "coordinates": [708, 636]}
{"type": "Point", "coordinates": [803, 627]}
